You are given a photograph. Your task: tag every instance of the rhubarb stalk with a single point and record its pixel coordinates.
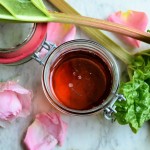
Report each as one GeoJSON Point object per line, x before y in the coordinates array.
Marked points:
{"type": "Point", "coordinates": [96, 34]}
{"type": "Point", "coordinates": [35, 11]}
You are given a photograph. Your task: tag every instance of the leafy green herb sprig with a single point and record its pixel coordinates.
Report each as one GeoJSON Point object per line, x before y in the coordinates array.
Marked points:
{"type": "Point", "coordinates": [136, 109]}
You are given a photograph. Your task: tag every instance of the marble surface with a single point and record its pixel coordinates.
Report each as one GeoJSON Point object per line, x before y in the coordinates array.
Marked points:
{"type": "Point", "coordinates": [84, 133]}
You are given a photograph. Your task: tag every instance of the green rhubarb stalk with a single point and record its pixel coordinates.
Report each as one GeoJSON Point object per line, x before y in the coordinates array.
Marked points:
{"type": "Point", "coordinates": [143, 52]}
{"type": "Point", "coordinates": [35, 11]}
{"type": "Point", "coordinates": [95, 34]}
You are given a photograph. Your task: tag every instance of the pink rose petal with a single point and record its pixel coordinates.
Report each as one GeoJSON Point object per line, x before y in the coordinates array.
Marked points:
{"type": "Point", "coordinates": [59, 33]}
{"type": "Point", "coordinates": [15, 101]}
{"type": "Point", "coordinates": [134, 19]}
{"type": "Point", "coordinates": [45, 132]}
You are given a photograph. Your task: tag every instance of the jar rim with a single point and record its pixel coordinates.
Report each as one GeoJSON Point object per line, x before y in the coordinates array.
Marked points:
{"type": "Point", "coordinates": [80, 43]}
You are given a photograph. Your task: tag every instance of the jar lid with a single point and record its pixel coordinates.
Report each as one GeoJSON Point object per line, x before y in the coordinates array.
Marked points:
{"type": "Point", "coordinates": [13, 35]}
{"type": "Point", "coordinates": [29, 37]}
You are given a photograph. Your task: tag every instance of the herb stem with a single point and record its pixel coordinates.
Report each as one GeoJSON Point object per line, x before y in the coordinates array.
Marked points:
{"type": "Point", "coordinates": [143, 52]}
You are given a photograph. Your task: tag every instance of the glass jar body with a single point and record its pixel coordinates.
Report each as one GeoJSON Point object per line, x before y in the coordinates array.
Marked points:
{"type": "Point", "coordinates": [76, 46]}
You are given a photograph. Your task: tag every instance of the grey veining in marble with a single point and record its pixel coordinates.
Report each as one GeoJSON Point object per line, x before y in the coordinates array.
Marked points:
{"type": "Point", "coordinates": [84, 133]}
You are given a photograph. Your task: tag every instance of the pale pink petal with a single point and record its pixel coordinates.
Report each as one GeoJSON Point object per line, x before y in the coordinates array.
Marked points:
{"type": "Point", "coordinates": [45, 132]}
{"type": "Point", "coordinates": [134, 19]}
{"type": "Point", "coordinates": [59, 33]}
{"type": "Point", "coordinates": [10, 105]}
{"type": "Point", "coordinates": [15, 101]}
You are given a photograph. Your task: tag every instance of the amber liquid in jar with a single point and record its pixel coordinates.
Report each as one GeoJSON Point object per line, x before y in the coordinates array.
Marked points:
{"type": "Point", "coordinates": [80, 80]}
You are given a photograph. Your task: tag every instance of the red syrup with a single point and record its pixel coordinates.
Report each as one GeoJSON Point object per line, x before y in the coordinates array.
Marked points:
{"type": "Point", "coordinates": [81, 80]}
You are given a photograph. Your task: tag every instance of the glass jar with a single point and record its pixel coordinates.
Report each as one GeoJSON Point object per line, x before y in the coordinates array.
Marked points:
{"type": "Point", "coordinates": [90, 48]}
{"type": "Point", "coordinates": [92, 54]}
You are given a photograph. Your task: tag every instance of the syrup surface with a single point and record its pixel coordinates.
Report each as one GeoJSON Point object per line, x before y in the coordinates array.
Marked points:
{"type": "Point", "coordinates": [81, 80]}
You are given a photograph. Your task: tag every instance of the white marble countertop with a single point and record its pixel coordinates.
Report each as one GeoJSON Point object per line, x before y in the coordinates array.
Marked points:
{"type": "Point", "coordinates": [84, 133]}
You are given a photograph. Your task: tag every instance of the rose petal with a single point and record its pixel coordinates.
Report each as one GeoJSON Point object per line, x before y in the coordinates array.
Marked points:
{"type": "Point", "coordinates": [10, 105]}
{"type": "Point", "coordinates": [59, 33]}
{"type": "Point", "coordinates": [134, 19]}
{"type": "Point", "coordinates": [15, 101]}
{"type": "Point", "coordinates": [45, 132]}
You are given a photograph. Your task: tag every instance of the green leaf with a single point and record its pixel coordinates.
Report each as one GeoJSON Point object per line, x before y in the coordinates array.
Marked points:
{"type": "Point", "coordinates": [39, 4]}
{"type": "Point", "coordinates": [136, 109]}
{"type": "Point", "coordinates": [4, 13]}
{"type": "Point", "coordinates": [138, 62]}
{"type": "Point", "coordinates": [24, 10]}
